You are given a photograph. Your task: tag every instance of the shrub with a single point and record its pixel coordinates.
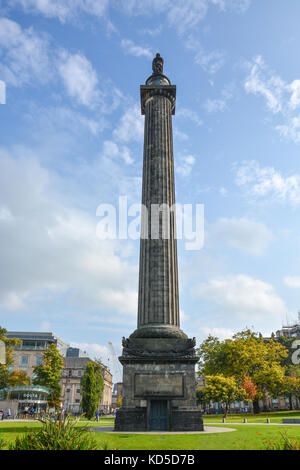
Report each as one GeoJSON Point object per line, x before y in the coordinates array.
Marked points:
{"type": "Point", "coordinates": [56, 435]}
{"type": "Point", "coordinates": [284, 444]}
{"type": "Point", "coordinates": [2, 443]}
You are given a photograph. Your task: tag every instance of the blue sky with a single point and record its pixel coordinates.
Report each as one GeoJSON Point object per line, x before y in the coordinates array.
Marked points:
{"type": "Point", "coordinates": [72, 138]}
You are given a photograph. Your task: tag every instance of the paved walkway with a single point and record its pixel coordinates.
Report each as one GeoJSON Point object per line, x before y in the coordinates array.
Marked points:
{"type": "Point", "coordinates": [207, 430]}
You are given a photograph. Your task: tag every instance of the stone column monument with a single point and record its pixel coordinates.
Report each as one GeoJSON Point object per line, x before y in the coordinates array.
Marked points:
{"type": "Point", "coordinates": [158, 358]}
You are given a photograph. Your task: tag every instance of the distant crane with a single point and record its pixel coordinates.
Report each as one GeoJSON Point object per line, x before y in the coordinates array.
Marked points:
{"type": "Point", "coordinates": [116, 364]}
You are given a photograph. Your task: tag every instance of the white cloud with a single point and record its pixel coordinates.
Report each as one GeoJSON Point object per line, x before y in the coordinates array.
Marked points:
{"type": "Point", "coordinates": [177, 134]}
{"type": "Point", "coordinates": [295, 96]}
{"type": "Point", "coordinates": [210, 61]}
{"type": "Point", "coordinates": [213, 106]}
{"type": "Point", "coordinates": [57, 119]}
{"type": "Point", "coordinates": [291, 130]}
{"type": "Point", "coordinates": [79, 78]}
{"type": "Point", "coordinates": [186, 113]}
{"type": "Point", "coordinates": [185, 14]}
{"type": "Point", "coordinates": [221, 333]}
{"type": "Point", "coordinates": [24, 54]}
{"type": "Point", "coordinates": [241, 295]}
{"type": "Point", "coordinates": [131, 126]}
{"type": "Point", "coordinates": [181, 14]}
{"type": "Point", "coordinates": [243, 234]}
{"type": "Point", "coordinates": [151, 31]}
{"type": "Point", "coordinates": [51, 247]}
{"type": "Point", "coordinates": [185, 165]}
{"type": "Point", "coordinates": [26, 57]}
{"type": "Point", "coordinates": [6, 215]}
{"type": "Point", "coordinates": [220, 104]}
{"type": "Point", "coordinates": [292, 281]}
{"type": "Point", "coordinates": [223, 191]}
{"type": "Point", "coordinates": [263, 182]}
{"type": "Point", "coordinates": [261, 81]}
{"type": "Point", "coordinates": [66, 10]}
{"type": "Point", "coordinates": [112, 150]}
{"type": "Point", "coordinates": [220, 3]}
{"type": "Point", "coordinates": [282, 98]}
{"type": "Point", "coordinates": [239, 6]}
{"type": "Point", "coordinates": [129, 47]}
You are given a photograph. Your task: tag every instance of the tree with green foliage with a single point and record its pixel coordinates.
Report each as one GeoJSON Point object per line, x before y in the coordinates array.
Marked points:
{"type": "Point", "coordinates": [290, 387]}
{"type": "Point", "coordinates": [119, 401]}
{"type": "Point", "coordinates": [287, 343]}
{"type": "Point", "coordinates": [245, 355]}
{"type": "Point", "coordinates": [18, 377]}
{"type": "Point", "coordinates": [10, 344]}
{"type": "Point", "coordinates": [202, 398]}
{"type": "Point", "coordinates": [48, 374]}
{"type": "Point", "coordinates": [92, 384]}
{"type": "Point", "coordinates": [223, 390]}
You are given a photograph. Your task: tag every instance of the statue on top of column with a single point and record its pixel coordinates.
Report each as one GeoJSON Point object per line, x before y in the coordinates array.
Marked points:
{"type": "Point", "coordinates": [158, 64]}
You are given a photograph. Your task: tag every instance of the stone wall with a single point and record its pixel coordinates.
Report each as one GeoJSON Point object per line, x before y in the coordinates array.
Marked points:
{"type": "Point", "coordinates": [131, 419]}
{"type": "Point", "coordinates": [186, 420]}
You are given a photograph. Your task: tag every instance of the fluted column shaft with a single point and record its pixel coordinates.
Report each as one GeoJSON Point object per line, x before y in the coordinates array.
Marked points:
{"type": "Point", "coordinates": [158, 276]}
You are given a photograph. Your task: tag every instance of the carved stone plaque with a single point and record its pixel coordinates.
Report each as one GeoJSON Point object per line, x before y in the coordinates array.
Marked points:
{"type": "Point", "coordinates": [158, 385]}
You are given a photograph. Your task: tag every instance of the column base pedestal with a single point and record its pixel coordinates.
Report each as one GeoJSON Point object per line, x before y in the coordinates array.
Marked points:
{"type": "Point", "coordinates": [179, 420]}
{"type": "Point", "coordinates": [159, 385]}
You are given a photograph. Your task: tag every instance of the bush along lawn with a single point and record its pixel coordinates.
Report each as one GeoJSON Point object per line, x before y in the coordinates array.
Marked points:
{"type": "Point", "coordinates": [51, 434]}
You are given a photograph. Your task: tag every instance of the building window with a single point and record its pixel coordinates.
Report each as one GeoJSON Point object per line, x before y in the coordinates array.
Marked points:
{"type": "Point", "coordinates": [78, 390]}
{"type": "Point", "coordinates": [70, 373]}
{"type": "Point", "coordinates": [77, 401]}
{"type": "Point", "coordinates": [38, 360]}
{"type": "Point", "coordinates": [24, 360]}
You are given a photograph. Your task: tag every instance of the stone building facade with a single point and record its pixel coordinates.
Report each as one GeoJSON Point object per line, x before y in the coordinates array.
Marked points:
{"type": "Point", "coordinates": [30, 354]}
{"type": "Point", "coordinates": [74, 368]}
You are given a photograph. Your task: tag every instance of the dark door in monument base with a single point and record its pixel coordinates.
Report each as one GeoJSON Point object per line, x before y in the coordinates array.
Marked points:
{"type": "Point", "coordinates": [158, 415]}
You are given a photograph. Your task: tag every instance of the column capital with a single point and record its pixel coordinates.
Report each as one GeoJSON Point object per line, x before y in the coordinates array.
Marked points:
{"type": "Point", "coordinates": [168, 91]}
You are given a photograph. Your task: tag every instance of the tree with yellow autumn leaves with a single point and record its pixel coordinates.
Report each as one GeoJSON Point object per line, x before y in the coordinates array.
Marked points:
{"type": "Point", "coordinates": [245, 365]}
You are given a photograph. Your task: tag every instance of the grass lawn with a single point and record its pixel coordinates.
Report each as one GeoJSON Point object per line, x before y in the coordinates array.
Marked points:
{"type": "Point", "coordinates": [244, 438]}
